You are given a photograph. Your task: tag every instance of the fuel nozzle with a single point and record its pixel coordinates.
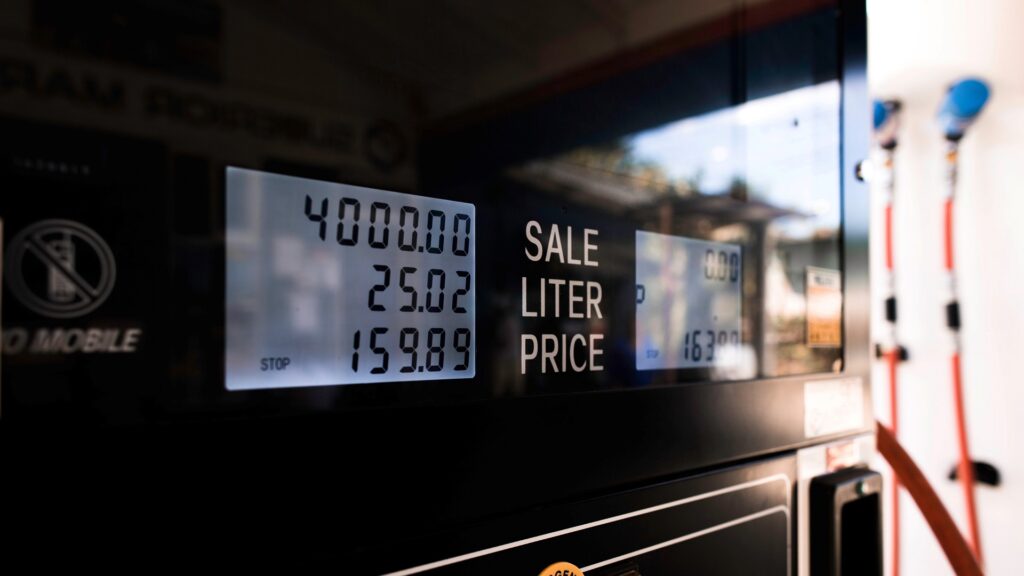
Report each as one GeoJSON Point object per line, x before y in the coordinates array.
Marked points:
{"type": "Point", "coordinates": [963, 103]}
{"type": "Point", "coordinates": [886, 122]}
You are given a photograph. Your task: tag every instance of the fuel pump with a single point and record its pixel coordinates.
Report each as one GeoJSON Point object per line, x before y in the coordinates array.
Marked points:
{"type": "Point", "coordinates": [886, 125]}
{"type": "Point", "coordinates": [963, 103]}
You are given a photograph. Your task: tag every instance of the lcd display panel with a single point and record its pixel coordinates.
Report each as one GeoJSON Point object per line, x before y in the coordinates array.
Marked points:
{"type": "Point", "coordinates": [335, 284]}
{"type": "Point", "coordinates": [688, 305]}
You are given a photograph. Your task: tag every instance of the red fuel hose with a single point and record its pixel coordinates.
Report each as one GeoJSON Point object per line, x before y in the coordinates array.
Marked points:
{"type": "Point", "coordinates": [966, 466]}
{"type": "Point", "coordinates": [959, 554]}
{"type": "Point", "coordinates": [893, 355]}
{"type": "Point", "coordinates": [892, 359]}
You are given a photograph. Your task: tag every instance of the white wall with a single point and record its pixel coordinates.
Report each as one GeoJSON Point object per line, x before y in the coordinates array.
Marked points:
{"type": "Point", "coordinates": [916, 48]}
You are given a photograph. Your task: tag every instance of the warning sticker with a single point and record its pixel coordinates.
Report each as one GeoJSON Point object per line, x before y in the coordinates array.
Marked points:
{"type": "Point", "coordinates": [824, 308]}
{"type": "Point", "coordinates": [833, 406]}
{"type": "Point", "coordinates": [60, 268]}
{"type": "Point", "coordinates": [562, 569]}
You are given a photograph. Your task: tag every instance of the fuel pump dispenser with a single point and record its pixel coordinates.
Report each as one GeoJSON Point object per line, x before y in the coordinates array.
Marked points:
{"type": "Point", "coordinates": [441, 288]}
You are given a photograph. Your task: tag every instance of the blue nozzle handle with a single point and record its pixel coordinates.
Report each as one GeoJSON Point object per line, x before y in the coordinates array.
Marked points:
{"type": "Point", "coordinates": [961, 106]}
{"type": "Point", "coordinates": [886, 120]}
{"type": "Point", "coordinates": [881, 114]}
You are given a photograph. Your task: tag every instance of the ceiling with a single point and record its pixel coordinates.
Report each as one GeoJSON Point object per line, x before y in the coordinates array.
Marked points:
{"type": "Point", "coordinates": [453, 54]}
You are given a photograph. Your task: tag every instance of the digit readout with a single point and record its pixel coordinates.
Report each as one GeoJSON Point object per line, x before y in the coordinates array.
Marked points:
{"type": "Point", "coordinates": [336, 284]}
{"type": "Point", "coordinates": [688, 302]}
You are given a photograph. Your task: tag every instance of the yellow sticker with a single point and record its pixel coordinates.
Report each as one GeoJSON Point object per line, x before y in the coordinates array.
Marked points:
{"type": "Point", "coordinates": [824, 308]}
{"type": "Point", "coordinates": [562, 569]}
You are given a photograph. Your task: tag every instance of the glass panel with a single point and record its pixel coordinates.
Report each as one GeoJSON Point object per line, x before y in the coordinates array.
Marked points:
{"type": "Point", "coordinates": [588, 137]}
{"type": "Point", "coordinates": [762, 179]}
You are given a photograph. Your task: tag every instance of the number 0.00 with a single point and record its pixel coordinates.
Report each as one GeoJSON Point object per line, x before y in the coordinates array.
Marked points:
{"type": "Point", "coordinates": [721, 266]}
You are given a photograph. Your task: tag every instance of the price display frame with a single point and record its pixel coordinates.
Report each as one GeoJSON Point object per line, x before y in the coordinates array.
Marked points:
{"type": "Point", "coordinates": [697, 284]}
{"type": "Point", "coordinates": [332, 284]}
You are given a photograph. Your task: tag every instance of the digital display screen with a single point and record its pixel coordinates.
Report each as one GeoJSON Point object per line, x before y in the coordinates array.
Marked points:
{"type": "Point", "coordinates": [688, 304]}
{"type": "Point", "coordinates": [335, 284]}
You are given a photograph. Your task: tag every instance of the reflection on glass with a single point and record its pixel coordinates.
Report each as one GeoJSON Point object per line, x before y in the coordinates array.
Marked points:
{"type": "Point", "coordinates": [762, 176]}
